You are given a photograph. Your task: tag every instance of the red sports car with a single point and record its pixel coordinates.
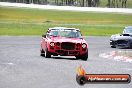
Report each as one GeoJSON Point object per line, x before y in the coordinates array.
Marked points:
{"type": "Point", "coordinates": [64, 42]}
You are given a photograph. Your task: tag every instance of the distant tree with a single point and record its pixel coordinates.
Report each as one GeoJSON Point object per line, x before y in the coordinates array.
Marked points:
{"type": "Point", "coordinates": [82, 3]}
{"type": "Point", "coordinates": [123, 3]}
{"type": "Point", "coordinates": [92, 3]}
{"type": "Point", "coordinates": [95, 3]}
{"type": "Point", "coordinates": [89, 3]}
{"type": "Point", "coordinates": [113, 3]}
{"type": "Point", "coordinates": [109, 3]}
{"type": "Point", "coordinates": [56, 2]}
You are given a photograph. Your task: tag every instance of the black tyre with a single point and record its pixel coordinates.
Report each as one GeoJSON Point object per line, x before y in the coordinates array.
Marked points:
{"type": "Point", "coordinates": [47, 54]}
{"type": "Point", "coordinates": [85, 57]}
{"type": "Point", "coordinates": [113, 46]}
{"type": "Point", "coordinates": [42, 53]}
{"type": "Point", "coordinates": [130, 45]}
{"type": "Point", "coordinates": [78, 57]}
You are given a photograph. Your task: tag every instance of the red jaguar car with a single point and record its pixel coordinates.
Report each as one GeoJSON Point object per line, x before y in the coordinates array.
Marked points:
{"type": "Point", "coordinates": [64, 42]}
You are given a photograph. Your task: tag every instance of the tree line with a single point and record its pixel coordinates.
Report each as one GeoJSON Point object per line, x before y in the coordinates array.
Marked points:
{"type": "Point", "coordinates": [82, 3]}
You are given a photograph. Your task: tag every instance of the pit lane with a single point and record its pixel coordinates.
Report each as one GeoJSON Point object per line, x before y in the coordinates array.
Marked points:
{"type": "Point", "coordinates": [21, 65]}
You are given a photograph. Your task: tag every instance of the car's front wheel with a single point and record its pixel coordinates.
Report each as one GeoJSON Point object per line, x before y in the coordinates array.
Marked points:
{"type": "Point", "coordinates": [78, 57]}
{"type": "Point", "coordinates": [47, 54]}
{"type": "Point", "coordinates": [113, 46]}
{"type": "Point", "coordinates": [83, 57]}
{"type": "Point", "coordinates": [42, 53]}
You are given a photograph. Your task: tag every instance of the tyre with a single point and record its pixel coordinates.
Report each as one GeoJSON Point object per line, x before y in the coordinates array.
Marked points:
{"type": "Point", "coordinates": [130, 45]}
{"type": "Point", "coordinates": [42, 53]}
{"type": "Point", "coordinates": [47, 54]}
{"type": "Point", "coordinates": [78, 57]}
{"type": "Point", "coordinates": [113, 46]}
{"type": "Point", "coordinates": [85, 57]}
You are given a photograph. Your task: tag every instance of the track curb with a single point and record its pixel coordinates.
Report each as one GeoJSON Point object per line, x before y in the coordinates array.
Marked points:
{"type": "Point", "coordinates": [114, 55]}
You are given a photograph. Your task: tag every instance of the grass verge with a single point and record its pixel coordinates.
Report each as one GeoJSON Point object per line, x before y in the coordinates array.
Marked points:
{"type": "Point", "coordinates": [23, 21]}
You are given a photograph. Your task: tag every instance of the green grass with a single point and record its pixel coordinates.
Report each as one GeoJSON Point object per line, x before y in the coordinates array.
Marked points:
{"type": "Point", "coordinates": [23, 21]}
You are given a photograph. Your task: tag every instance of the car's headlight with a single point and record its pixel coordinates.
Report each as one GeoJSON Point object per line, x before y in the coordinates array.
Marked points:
{"type": "Point", "coordinates": [52, 44]}
{"type": "Point", "coordinates": [84, 45]}
{"type": "Point", "coordinates": [113, 38]}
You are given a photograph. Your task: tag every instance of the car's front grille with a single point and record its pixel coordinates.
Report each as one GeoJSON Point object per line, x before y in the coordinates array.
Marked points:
{"type": "Point", "coordinates": [122, 42]}
{"type": "Point", "coordinates": [67, 46]}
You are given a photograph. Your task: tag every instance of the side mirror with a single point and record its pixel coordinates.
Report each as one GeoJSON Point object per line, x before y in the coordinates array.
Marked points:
{"type": "Point", "coordinates": [44, 36]}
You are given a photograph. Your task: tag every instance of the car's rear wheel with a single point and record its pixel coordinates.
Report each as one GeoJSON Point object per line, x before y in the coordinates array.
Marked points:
{"type": "Point", "coordinates": [42, 53]}
{"type": "Point", "coordinates": [47, 54]}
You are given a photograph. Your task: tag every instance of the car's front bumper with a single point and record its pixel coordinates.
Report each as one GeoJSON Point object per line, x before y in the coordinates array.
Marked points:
{"type": "Point", "coordinates": [63, 52]}
{"type": "Point", "coordinates": [121, 43]}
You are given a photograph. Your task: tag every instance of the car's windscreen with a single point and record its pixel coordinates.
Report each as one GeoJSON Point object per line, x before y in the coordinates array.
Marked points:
{"type": "Point", "coordinates": [128, 30]}
{"type": "Point", "coordinates": [68, 33]}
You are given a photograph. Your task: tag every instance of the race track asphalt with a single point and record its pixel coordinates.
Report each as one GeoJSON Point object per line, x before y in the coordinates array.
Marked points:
{"type": "Point", "coordinates": [21, 65]}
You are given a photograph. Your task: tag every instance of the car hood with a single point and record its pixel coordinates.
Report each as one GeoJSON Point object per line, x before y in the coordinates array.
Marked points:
{"type": "Point", "coordinates": [121, 36]}
{"type": "Point", "coordinates": [63, 39]}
